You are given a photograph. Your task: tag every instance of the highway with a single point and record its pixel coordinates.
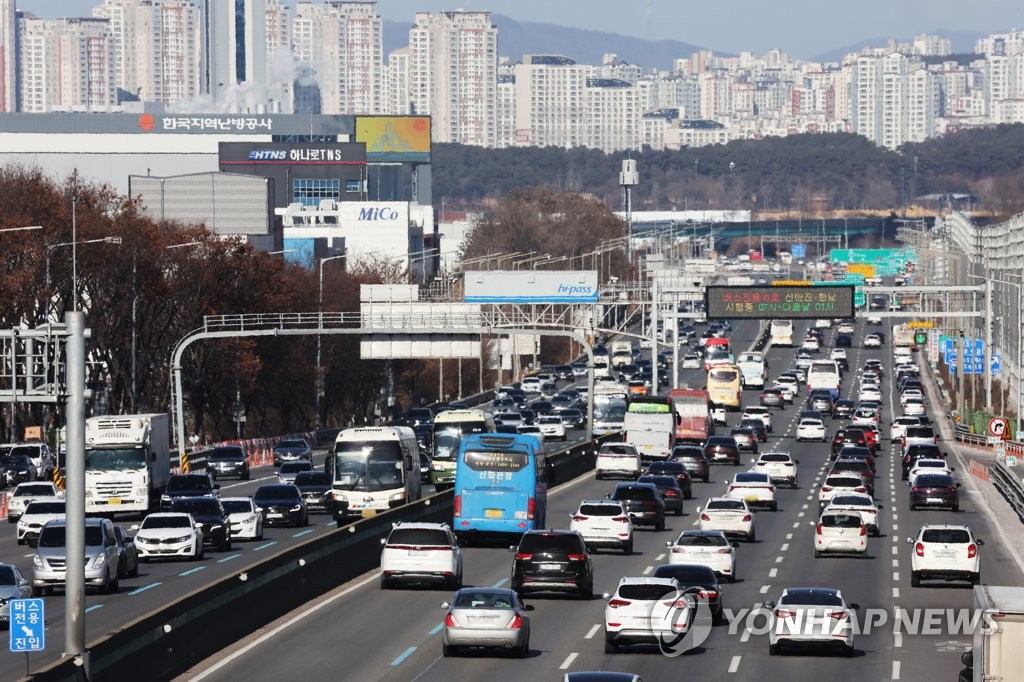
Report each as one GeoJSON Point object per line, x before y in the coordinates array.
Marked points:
{"type": "Point", "coordinates": [362, 633]}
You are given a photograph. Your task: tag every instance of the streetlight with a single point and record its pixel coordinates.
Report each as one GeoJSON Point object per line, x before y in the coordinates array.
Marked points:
{"type": "Point", "coordinates": [74, 281]}
{"type": "Point", "coordinates": [319, 383]}
{"type": "Point", "coordinates": [22, 229]}
{"type": "Point", "coordinates": [549, 260]}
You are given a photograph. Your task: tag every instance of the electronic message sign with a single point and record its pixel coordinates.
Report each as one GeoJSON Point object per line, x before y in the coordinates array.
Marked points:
{"type": "Point", "coordinates": [778, 302]}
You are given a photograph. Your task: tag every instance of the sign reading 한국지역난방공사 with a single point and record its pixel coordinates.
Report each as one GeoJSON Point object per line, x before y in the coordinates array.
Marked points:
{"type": "Point", "coordinates": [779, 302]}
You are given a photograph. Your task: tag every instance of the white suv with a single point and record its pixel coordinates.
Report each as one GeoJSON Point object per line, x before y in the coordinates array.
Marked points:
{"type": "Point", "coordinates": [25, 493]}
{"type": "Point", "coordinates": [421, 553]}
{"type": "Point", "coordinates": [780, 467]}
{"type": "Point", "coordinates": [645, 611]}
{"type": "Point", "coordinates": [621, 460]}
{"type": "Point", "coordinates": [840, 532]}
{"type": "Point", "coordinates": [945, 552]}
{"type": "Point", "coordinates": [603, 523]}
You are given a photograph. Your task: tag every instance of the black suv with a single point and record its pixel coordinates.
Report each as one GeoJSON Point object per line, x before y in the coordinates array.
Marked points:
{"type": "Point", "coordinates": [642, 502]}
{"type": "Point", "coordinates": [187, 485]}
{"type": "Point", "coordinates": [552, 561]}
{"type": "Point", "coordinates": [227, 460]}
{"type": "Point", "coordinates": [210, 515]}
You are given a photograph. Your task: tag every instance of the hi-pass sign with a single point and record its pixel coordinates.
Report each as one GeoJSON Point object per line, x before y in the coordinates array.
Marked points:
{"type": "Point", "coordinates": [778, 302]}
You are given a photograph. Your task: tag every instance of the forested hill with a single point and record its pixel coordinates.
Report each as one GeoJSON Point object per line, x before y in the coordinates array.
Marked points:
{"type": "Point", "coordinates": [834, 171]}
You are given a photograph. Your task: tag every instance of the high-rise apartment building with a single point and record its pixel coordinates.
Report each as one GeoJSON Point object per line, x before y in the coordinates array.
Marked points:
{"type": "Point", "coordinates": [66, 65]}
{"type": "Point", "coordinates": [8, 56]}
{"type": "Point", "coordinates": [453, 75]}
{"type": "Point", "coordinates": [343, 44]}
{"type": "Point", "coordinates": [396, 84]}
{"type": "Point", "coordinates": [550, 101]}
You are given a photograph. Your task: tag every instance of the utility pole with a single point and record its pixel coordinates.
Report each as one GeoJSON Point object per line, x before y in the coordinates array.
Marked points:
{"type": "Point", "coordinates": [987, 355]}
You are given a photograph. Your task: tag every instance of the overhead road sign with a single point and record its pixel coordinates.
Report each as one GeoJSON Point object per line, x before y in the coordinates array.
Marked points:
{"type": "Point", "coordinates": [530, 286]}
{"type": "Point", "coordinates": [920, 324]}
{"type": "Point", "coordinates": [792, 283]}
{"type": "Point", "coordinates": [778, 302]}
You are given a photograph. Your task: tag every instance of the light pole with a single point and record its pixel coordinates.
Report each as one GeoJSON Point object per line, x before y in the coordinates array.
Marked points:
{"type": "Point", "coordinates": [74, 285]}
{"type": "Point", "coordinates": [21, 229]}
{"type": "Point", "coordinates": [319, 383]}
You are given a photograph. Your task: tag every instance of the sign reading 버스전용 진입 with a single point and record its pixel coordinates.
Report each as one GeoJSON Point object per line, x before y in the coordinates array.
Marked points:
{"type": "Point", "coordinates": [779, 302]}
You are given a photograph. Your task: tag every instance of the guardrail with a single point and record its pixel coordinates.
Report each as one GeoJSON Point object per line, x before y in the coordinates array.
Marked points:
{"type": "Point", "coordinates": [1009, 486]}
{"type": "Point", "coordinates": [170, 640]}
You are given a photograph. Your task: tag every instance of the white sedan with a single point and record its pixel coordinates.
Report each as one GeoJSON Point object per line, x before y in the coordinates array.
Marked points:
{"type": "Point", "coordinates": [732, 517]}
{"type": "Point", "coordinates": [811, 344]}
{"type": "Point", "coordinates": [762, 413]}
{"type": "Point", "coordinates": [169, 535]}
{"type": "Point", "coordinates": [837, 354]}
{"type": "Point", "coordinates": [705, 547]}
{"type": "Point", "coordinates": [244, 517]}
{"type": "Point", "coordinates": [900, 424]}
{"type": "Point", "coordinates": [780, 467]}
{"type": "Point", "coordinates": [811, 616]}
{"type": "Point", "coordinates": [754, 488]}
{"type": "Point", "coordinates": [691, 361]}
{"type": "Point", "coordinates": [873, 340]}
{"type": "Point", "coordinates": [811, 429]}
{"type": "Point", "coordinates": [930, 466]}
{"type": "Point", "coordinates": [846, 328]}
{"type": "Point", "coordinates": [869, 392]}
{"type": "Point", "coordinates": [551, 426]}
{"type": "Point", "coordinates": [913, 407]}
{"type": "Point", "coordinates": [823, 324]}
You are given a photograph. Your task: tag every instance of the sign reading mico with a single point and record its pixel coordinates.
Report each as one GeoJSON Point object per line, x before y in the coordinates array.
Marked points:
{"type": "Point", "coordinates": [778, 302]}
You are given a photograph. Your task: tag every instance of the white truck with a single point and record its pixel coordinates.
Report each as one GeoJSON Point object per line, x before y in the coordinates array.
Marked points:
{"type": "Point", "coordinates": [127, 462]}
{"type": "Point", "coordinates": [997, 654]}
{"type": "Point", "coordinates": [752, 369]}
{"type": "Point", "coordinates": [622, 353]}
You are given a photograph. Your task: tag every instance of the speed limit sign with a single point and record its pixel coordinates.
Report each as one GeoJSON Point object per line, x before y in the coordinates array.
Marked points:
{"type": "Point", "coordinates": [996, 426]}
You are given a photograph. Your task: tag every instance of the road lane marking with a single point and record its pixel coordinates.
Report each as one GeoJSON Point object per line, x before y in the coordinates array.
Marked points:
{"type": "Point", "coordinates": [436, 629]}
{"type": "Point", "coordinates": [265, 545]}
{"type": "Point", "coordinates": [796, 524]}
{"type": "Point", "coordinates": [765, 588]}
{"type": "Point", "coordinates": [144, 588]}
{"type": "Point", "coordinates": [648, 570]}
{"type": "Point", "coordinates": [568, 661]}
{"type": "Point", "coordinates": [778, 560]}
{"type": "Point", "coordinates": [228, 558]}
{"type": "Point", "coordinates": [500, 582]}
{"type": "Point", "coordinates": [94, 607]}
{"type": "Point", "coordinates": [800, 515]}
{"type": "Point", "coordinates": [789, 536]}
{"type": "Point", "coordinates": [659, 557]}
{"type": "Point", "coordinates": [895, 670]}
{"type": "Point", "coordinates": [897, 639]}
{"type": "Point", "coordinates": [773, 573]}
{"type": "Point", "coordinates": [404, 655]}
{"type": "Point", "coordinates": [895, 549]}
{"type": "Point", "coordinates": [303, 532]}
{"type": "Point", "coordinates": [895, 575]}
{"type": "Point", "coordinates": [895, 562]}
{"type": "Point", "coordinates": [785, 546]}
{"type": "Point", "coordinates": [192, 570]}
{"type": "Point", "coordinates": [745, 637]}
{"type": "Point", "coordinates": [895, 593]}
{"type": "Point", "coordinates": [805, 506]}
{"type": "Point", "coordinates": [593, 631]}
{"type": "Point", "coordinates": [734, 664]}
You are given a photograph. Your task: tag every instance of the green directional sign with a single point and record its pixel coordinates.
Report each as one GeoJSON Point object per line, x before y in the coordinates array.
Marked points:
{"type": "Point", "coordinates": [920, 338]}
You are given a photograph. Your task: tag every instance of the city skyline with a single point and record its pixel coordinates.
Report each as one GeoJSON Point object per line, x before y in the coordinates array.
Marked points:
{"type": "Point", "coordinates": [711, 25]}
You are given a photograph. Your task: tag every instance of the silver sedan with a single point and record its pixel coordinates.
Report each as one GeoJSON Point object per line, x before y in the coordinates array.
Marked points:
{"type": "Point", "coordinates": [486, 617]}
{"type": "Point", "coordinates": [13, 585]}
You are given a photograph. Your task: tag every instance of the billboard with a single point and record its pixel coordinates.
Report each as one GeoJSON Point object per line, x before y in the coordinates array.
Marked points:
{"type": "Point", "coordinates": [530, 286]}
{"type": "Point", "coordinates": [397, 139]}
{"type": "Point", "coordinates": [778, 302]}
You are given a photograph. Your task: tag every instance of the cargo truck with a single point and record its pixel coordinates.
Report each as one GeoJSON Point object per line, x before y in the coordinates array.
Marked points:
{"type": "Point", "coordinates": [997, 653]}
{"type": "Point", "coordinates": [127, 462]}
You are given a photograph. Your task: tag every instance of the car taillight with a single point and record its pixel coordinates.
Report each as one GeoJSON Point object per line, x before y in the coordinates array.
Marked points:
{"type": "Point", "coordinates": [863, 530]}
{"type": "Point", "coordinates": [817, 529]}
{"type": "Point", "coordinates": [671, 493]}
{"type": "Point", "coordinates": [951, 488]}
{"type": "Point", "coordinates": [458, 506]}
{"type": "Point", "coordinates": [727, 550]}
{"type": "Point", "coordinates": [860, 489]}
{"type": "Point", "coordinates": [972, 551]}
{"type": "Point", "coordinates": [579, 517]}
{"type": "Point", "coordinates": [577, 557]}
{"type": "Point", "coordinates": [919, 549]}
{"type": "Point", "coordinates": [521, 556]}
{"type": "Point", "coordinates": [784, 613]}
{"type": "Point", "coordinates": [530, 508]}
{"type": "Point", "coordinates": [746, 517]}
{"type": "Point", "coordinates": [516, 623]}
{"type": "Point", "coordinates": [731, 488]}
{"type": "Point", "coordinates": [705, 517]}
{"type": "Point", "coordinates": [914, 489]}
{"type": "Point", "coordinates": [449, 620]}
{"type": "Point", "coordinates": [825, 489]}
{"type": "Point", "coordinates": [616, 603]}
{"type": "Point", "coordinates": [620, 519]}
{"type": "Point", "coordinates": [707, 594]}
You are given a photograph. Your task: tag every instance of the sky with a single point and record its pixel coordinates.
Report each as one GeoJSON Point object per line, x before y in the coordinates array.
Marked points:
{"type": "Point", "coordinates": [803, 28]}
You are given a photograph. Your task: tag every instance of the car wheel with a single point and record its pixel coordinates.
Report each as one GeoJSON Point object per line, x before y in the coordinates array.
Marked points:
{"type": "Point", "coordinates": [850, 651]}
{"type": "Point", "coordinates": [627, 548]}
{"type": "Point", "coordinates": [587, 593]}
{"type": "Point", "coordinates": [915, 579]}
{"type": "Point", "coordinates": [817, 554]}
{"type": "Point", "coordinates": [225, 545]}
{"type": "Point", "coordinates": [775, 506]}
{"type": "Point", "coordinates": [385, 584]}
{"type": "Point", "coordinates": [956, 507]}
{"type": "Point", "coordinates": [122, 568]}
{"type": "Point", "coordinates": [610, 647]}
{"type": "Point", "coordinates": [246, 476]}
{"type": "Point", "coordinates": [660, 525]}
{"type": "Point", "coordinates": [447, 651]}
{"type": "Point", "coordinates": [976, 578]}
{"type": "Point", "coordinates": [732, 577]}
{"type": "Point", "coordinates": [21, 541]}
{"type": "Point", "coordinates": [114, 585]}
{"type": "Point", "coordinates": [913, 507]}
{"type": "Point", "coordinates": [752, 537]}
{"type": "Point", "coordinates": [679, 512]}
{"type": "Point", "coordinates": [134, 573]}
{"type": "Point", "coordinates": [523, 651]}
{"type": "Point", "coordinates": [707, 478]}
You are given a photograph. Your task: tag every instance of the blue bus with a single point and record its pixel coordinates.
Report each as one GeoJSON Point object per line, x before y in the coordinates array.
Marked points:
{"type": "Point", "coordinates": [501, 484]}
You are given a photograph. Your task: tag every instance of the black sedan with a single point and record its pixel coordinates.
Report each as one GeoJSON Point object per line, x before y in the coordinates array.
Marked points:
{"type": "Point", "coordinates": [722, 449]}
{"type": "Point", "coordinates": [934, 490]}
{"type": "Point", "coordinates": [698, 580]}
{"type": "Point", "coordinates": [281, 504]}
{"type": "Point", "coordinates": [227, 460]}
{"type": "Point", "coordinates": [210, 515]}
{"type": "Point", "coordinates": [844, 341]}
{"type": "Point", "coordinates": [676, 469]}
{"type": "Point", "coordinates": [668, 488]}
{"type": "Point", "coordinates": [315, 487]}
{"type": "Point", "coordinates": [843, 409]}
{"type": "Point", "coordinates": [757, 426]}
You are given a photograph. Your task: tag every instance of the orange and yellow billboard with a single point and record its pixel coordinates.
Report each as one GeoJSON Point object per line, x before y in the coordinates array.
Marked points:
{"type": "Point", "coordinates": [400, 139]}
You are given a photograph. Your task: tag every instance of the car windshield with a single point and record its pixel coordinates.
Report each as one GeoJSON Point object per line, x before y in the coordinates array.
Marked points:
{"type": "Point", "coordinates": [734, 505]}
{"type": "Point", "coordinates": [559, 542]}
{"type": "Point", "coordinates": [293, 444]}
{"type": "Point", "coordinates": [227, 454]}
{"type": "Point", "coordinates": [115, 458]}
{"type": "Point", "coordinates": [483, 599]}
{"type": "Point", "coordinates": [841, 520]}
{"type": "Point", "coordinates": [7, 576]}
{"type": "Point", "coordinates": [44, 508]}
{"type": "Point", "coordinates": [851, 501]}
{"type": "Point", "coordinates": [276, 493]}
{"type": "Point", "coordinates": [645, 592]}
{"type": "Point", "coordinates": [34, 490]}
{"type": "Point", "coordinates": [295, 467]}
{"type": "Point", "coordinates": [933, 481]}
{"type": "Point", "coordinates": [751, 478]}
{"type": "Point", "coordinates": [843, 482]}
{"type": "Point", "coordinates": [176, 521]}
{"type": "Point", "coordinates": [774, 458]}
{"type": "Point", "coordinates": [419, 536]}
{"type": "Point", "coordinates": [701, 541]}
{"type": "Point", "coordinates": [811, 598]}
{"type": "Point", "coordinates": [945, 535]}
{"type": "Point", "coordinates": [633, 493]}
{"type": "Point", "coordinates": [186, 482]}
{"type": "Point", "coordinates": [27, 450]}
{"type": "Point", "coordinates": [312, 478]}
{"type": "Point", "coordinates": [236, 506]}
{"type": "Point", "coordinates": [55, 536]}
{"type": "Point", "coordinates": [197, 506]}
{"type": "Point", "coordinates": [600, 509]}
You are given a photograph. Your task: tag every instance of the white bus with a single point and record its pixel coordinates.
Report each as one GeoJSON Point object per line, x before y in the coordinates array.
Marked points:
{"type": "Point", "coordinates": [374, 469]}
{"type": "Point", "coordinates": [449, 428]}
{"type": "Point", "coordinates": [781, 333]}
{"type": "Point", "coordinates": [610, 403]}
{"type": "Point", "coordinates": [824, 374]}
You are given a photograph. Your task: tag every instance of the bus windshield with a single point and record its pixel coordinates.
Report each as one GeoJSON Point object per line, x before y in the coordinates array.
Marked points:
{"type": "Point", "coordinates": [723, 375]}
{"type": "Point", "coordinates": [610, 408]}
{"type": "Point", "coordinates": [448, 435]}
{"type": "Point", "coordinates": [368, 466]}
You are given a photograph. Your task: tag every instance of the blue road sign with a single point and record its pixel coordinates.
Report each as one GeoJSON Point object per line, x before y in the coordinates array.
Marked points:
{"type": "Point", "coordinates": [28, 631]}
{"type": "Point", "coordinates": [799, 251]}
{"type": "Point", "coordinates": [950, 357]}
{"type": "Point", "coordinates": [969, 364]}
{"type": "Point", "coordinates": [996, 363]}
{"type": "Point", "coordinates": [979, 347]}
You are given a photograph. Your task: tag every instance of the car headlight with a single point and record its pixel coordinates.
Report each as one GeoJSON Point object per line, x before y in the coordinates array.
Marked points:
{"type": "Point", "coordinates": [397, 497]}
{"type": "Point", "coordinates": [249, 519]}
{"type": "Point", "coordinates": [296, 508]}
{"type": "Point", "coordinates": [165, 498]}
{"type": "Point", "coordinates": [37, 562]}
{"type": "Point", "coordinates": [141, 493]}
{"type": "Point", "coordinates": [100, 560]}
